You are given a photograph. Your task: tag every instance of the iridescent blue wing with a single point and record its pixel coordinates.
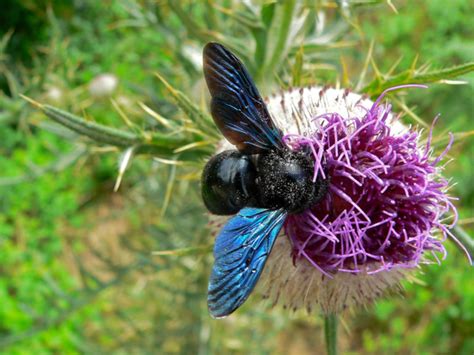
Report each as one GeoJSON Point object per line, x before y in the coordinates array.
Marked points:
{"type": "Point", "coordinates": [240, 253]}
{"type": "Point", "coordinates": [236, 106]}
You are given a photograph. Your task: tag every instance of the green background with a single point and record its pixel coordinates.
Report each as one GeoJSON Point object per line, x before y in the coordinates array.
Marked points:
{"type": "Point", "coordinates": [77, 274]}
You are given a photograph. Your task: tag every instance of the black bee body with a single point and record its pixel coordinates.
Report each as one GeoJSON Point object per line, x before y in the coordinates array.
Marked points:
{"type": "Point", "coordinates": [275, 179]}
{"type": "Point", "coordinates": [260, 183]}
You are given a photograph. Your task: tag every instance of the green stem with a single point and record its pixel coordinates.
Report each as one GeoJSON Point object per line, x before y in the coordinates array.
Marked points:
{"type": "Point", "coordinates": [330, 333]}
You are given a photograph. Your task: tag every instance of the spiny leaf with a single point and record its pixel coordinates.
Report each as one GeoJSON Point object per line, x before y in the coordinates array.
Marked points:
{"type": "Point", "coordinates": [379, 84]}
{"type": "Point", "coordinates": [96, 131]}
{"type": "Point", "coordinates": [196, 115]}
{"type": "Point", "coordinates": [156, 143]}
{"type": "Point", "coordinates": [160, 119]}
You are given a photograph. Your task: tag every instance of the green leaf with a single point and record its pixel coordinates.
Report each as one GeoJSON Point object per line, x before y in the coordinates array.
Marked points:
{"type": "Point", "coordinates": [411, 76]}
{"type": "Point", "coordinates": [283, 21]}
{"type": "Point", "coordinates": [163, 144]}
{"type": "Point", "coordinates": [203, 121]}
{"type": "Point", "coordinates": [93, 130]}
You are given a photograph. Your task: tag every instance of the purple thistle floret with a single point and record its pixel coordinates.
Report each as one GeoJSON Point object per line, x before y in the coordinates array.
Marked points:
{"type": "Point", "coordinates": [386, 200]}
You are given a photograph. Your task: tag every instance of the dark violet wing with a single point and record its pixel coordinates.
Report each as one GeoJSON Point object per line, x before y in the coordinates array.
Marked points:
{"type": "Point", "coordinates": [240, 253]}
{"type": "Point", "coordinates": [236, 106]}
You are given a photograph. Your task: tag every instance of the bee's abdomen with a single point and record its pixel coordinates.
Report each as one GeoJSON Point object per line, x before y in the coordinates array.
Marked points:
{"type": "Point", "coordinates": [228, 183]}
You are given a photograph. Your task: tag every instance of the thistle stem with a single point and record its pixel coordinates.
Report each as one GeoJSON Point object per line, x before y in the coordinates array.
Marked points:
{"type": "Point", "coordinates": [330, 333]}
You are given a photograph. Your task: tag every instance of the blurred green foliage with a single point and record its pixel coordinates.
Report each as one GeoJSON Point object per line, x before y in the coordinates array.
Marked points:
{"type": "Point", "coordinates": [77, 273]}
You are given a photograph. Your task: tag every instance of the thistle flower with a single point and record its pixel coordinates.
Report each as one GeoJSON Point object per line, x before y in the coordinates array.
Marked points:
{"type": "Point", "coordinates": [383, 215]}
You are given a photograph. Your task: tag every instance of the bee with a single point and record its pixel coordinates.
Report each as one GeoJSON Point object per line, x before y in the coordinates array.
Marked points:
{"type": "Point", "coordinates": [261, 182]}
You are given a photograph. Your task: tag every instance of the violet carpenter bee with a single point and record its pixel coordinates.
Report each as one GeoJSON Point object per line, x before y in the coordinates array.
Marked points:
{"type": "Point", "coordinates": [262, 181]}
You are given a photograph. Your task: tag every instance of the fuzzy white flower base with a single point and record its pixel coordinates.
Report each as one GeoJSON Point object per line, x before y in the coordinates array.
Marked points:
{"type": "Point", "coordinates": [300, 285]}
